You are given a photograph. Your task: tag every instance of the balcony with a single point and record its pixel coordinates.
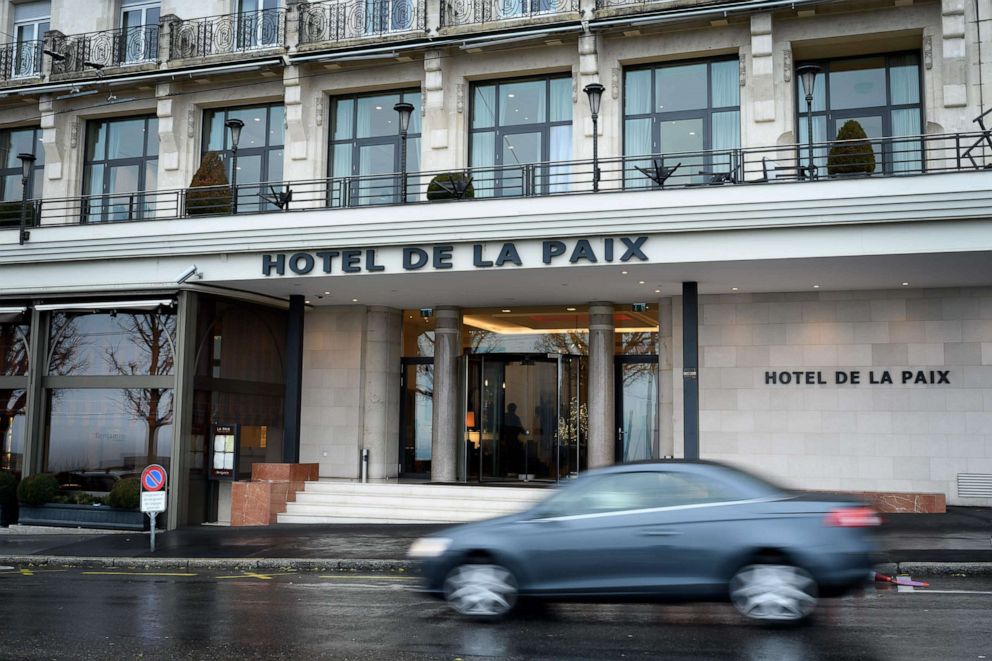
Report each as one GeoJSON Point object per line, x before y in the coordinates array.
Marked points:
{"type": "Point", "coordinates": [82, 53]}
{"type": "Point", "coordinates": [346, 20]}
{"type": "Point", "coordinates": [487, 13]}
{"type": "Point", "coordinates": [20, 61]}
{"type": "Point", "coordinates": [228, 34]}
{"type": "Point", "coordinates": [704, 171]}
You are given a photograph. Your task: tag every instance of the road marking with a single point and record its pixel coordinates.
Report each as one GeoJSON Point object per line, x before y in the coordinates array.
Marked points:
{"type": "Point", "coordinates": [929, 591]}
{"type": "Point", "coordinates": [261, 577]}
{"type": "Point", "coordinates": [135, 573]}
{"type": "Point", "coordinates": [27, 572]}
{"type": "Point", "coordinates": [381, 578]}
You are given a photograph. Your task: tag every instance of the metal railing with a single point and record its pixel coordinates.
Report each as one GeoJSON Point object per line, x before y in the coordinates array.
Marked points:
{"type": "Point", "coordinates": [608, 4]}
{"type": "Point", "coordinates": [887, 157]}
{"type": "Point", "coordinates": [20, 60]}
{"type": "Point", "coordinates": [228, 33]}
{"type": "Point", "coordinates": [476, 12]}
{"type": "Point", "coordinates": [340, 20]}
{"type": "Point", "coordinates": [108, 48]}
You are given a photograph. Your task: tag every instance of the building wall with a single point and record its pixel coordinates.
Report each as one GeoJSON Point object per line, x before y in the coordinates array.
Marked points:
{"type": "Point", "coordinates": [853, 437]}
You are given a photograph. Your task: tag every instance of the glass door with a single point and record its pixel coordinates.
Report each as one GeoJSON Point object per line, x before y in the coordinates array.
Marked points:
{"type": "Point", "coordinates": [139, 31]}
{"type": "Point", "coordinates": [637, 414]}
{"type": "Point", "coordinates": [416, 415]}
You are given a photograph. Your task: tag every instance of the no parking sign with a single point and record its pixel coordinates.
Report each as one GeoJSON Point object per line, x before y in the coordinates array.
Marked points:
{"type": "Point", "coordinates": [153, 499]}
{"type": "Point", "coordinates": [153, 478]}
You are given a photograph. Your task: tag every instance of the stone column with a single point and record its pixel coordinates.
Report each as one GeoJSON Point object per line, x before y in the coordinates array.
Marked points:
{"type": "Point", "coordinates": [954, 53]}
{"type": "Point", "coordinates": [602, 422]}
{"type": "Point", "coordinates": [446, 430]}
{"type": "Point", "coordinates": [380, 427]}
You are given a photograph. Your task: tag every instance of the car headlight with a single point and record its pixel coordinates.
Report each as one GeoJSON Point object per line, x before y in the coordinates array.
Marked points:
{"type": "Point", "coordinates": [428, 547]}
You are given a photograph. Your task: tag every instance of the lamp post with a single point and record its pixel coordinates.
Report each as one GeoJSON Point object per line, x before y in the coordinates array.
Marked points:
{"type": "Point", "coordinates": [235, 125]}
{"type": "Point", "coordinates": [595, 93]}
{"type": "Point", "coordinates": [27, 162]}
{"type": "Point", "coordinates": [405, 111]}
{"type": "Point", "coordinates": [807, 74]}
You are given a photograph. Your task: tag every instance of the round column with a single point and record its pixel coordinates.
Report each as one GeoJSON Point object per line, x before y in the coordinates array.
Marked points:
{"type": "Point", "coordinates": [602, 432]}
{"type": "Point", "coordinates": [446, 430]}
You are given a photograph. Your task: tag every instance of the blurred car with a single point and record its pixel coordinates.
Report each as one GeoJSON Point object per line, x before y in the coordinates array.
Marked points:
{"type": "Point", "coordinates": [660, 531]}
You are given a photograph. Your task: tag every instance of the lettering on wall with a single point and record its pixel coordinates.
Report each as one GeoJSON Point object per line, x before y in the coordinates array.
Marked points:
{"type": "Point", "coordinates": [858, 377]}
{"type": "Point", "coordinates": [442, 257]}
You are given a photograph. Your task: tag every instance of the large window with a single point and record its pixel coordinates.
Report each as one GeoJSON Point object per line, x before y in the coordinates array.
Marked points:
{"type": "Point", "coordinates": [12, 143]}
{"type": "Point", "coordinates": [15, 334]}
{"type": "Point", "coordinates": [881, 93]}
{"type": "Point", "coordinates": [260, 149]}
{"type": "Point", "coordinates": [516, 124]}
{"type": "Point", "coordinates": [139, 28]}
{"type": "Point", "coordinates": [31, 22]}
{"type": "Point", "coordinates": [121, 162]}
{"type": "Point", "coordinates": [365, 144]}
{"type": "Point", "coordinates": [687, 112]}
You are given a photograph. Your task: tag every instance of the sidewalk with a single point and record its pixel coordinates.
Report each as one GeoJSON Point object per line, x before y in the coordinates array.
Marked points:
{"type": "Point", "coordinates": [941, 541]}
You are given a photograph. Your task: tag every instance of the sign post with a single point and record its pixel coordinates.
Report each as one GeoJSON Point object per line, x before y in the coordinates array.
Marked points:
{"type": "Point", "coordinates": [153, 495]}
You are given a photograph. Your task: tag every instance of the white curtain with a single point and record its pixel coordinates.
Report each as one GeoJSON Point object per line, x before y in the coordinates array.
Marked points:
{"type": "Point", "coordinates": [726, 84]}
{"type": "Point", "coordinates": [906, 154]}
{"type": "Point", "coordinates": [637, 141]}
{"type": "Point", "coordinates": [560, 150]}
{"type": "Point", "coordinates": [483, 156]}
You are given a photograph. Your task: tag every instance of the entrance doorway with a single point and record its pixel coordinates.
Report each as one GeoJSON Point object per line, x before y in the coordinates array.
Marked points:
{"type": "Point", "coordinates": [636, 404]}
{"type": "Point", "coordinates": [525, 417]}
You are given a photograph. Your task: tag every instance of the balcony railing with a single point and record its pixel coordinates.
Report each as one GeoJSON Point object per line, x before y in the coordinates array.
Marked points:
{"type": "Point", "coordinates": [479, 12]}
{"type": "Point", "coordinates": [230, 33]}
{"type": "Point", "coordinates": [340, 20]}
{"type": "Point", "coordinates": [108, 48]}
{"type": "Point", "coordinates": [889, 157]}
{"type": "Point", "coordinates": [21, 60]}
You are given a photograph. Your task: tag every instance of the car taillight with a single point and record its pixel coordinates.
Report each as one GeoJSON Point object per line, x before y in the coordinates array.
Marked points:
{"type": "Point", "coordinates": [853, 517]}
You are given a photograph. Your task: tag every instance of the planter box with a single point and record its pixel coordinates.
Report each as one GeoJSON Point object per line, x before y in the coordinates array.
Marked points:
{"type": "Point", "coordinates": [82, 516]}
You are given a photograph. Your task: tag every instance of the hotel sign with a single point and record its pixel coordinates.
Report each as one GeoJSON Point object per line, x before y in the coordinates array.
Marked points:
{"type": "Point", "coordinates": [445, 256]}
{"type": "Point", "coordinates": [857, 377]}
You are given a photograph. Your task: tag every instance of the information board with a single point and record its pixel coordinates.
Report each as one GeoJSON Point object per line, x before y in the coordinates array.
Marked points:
{"type": "Point", "coordinates": [224, 450]}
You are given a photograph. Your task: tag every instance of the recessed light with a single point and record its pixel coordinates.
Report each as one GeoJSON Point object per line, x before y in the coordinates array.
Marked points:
{"type": "Point", "coordinates": [733, 288]}
{"type": "Point", "coordinates": [307, 302]}
{"type": "Point", "coordinates": [640, 282]}
{"type": "Point", "coordinates": [570, 309]}
{"type": "Point", "coordinates": [657, 291]}
{"type": "Point", "coordinates": [354, 300]}
{"type": "Point", "coordinates": [327, 293]}
{"type": "Point", "coordinates": [623, 273]}
{"type": "Point", "coordinates": [816, 286]}
{"type": "Point", "coordinates": [905, 284]}
{"type": "Point", "coordinates": [506, 310]}
{"type": "Point", "coordinates": [378, 107]}
{"type": "Point", "coordinates": [511, 95]}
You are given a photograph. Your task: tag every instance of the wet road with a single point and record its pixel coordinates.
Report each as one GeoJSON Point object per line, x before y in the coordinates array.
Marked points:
{"type": "Point", "coordinates": [116, 614]}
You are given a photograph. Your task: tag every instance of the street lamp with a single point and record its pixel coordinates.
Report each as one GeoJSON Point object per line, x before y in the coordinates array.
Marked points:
{"type": "Point", "coordinates": [405, 111]}
{"type": "Point", "coordinates": [807, 74]}
{"type": "Point", "coordinates": [27, 162]}
{"type": "Point", "coordinates": [235, 125]}
{"type": "Point", "coordinates": [595, 93]}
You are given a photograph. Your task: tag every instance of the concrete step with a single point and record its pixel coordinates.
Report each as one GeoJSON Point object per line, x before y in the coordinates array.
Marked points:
{"type": "Point", "coordinates": [528, 494]}
{"type": "Point", "coordinates": [402, 501]}
{"type": "Point", "coordinates": [371, 512]}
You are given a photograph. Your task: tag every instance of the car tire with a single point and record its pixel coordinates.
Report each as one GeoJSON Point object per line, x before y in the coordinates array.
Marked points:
{"type": "Point", "coordinates": [481, 590]}
{"type": "Point", "coordinates": [774, 592]}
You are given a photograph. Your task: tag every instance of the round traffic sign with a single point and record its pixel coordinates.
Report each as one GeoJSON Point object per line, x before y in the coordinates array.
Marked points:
{"type": "Point", "coordinates": [153, 478]}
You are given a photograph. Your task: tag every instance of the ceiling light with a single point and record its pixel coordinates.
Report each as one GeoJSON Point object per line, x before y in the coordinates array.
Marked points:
{"type": "Point", "coordinates": [640, 282]}
{"type": "Point", "coordinates": [816, 286]}
{"type": "Point", "coordinates": [354, 300]}
{"type": "Point", "coordinates": [905, 284]}
{"type": "Point", "coordinates": [733, 288]}
{"type": "Point", "coordinates": [506, 310]}
{"type": "Point", "coordinates": [570, 309]}
{"type": "Point", "coordinates": [511, 95]}
{"type": "Point", "coordinates": [307, 302]}
{"type": "Point", "coordinates": [378, 107]}
{"type": "Point", "coordinates": [623, 273]}
{"type": "Point", "coordinates": [657, 291]}
{"type": "Point", "coordinates": [327, 293]}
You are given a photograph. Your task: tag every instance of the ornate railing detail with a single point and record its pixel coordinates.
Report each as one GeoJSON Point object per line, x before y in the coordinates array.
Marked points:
{"type": "Point", "coordinates": [338, 20]}
{"type": "Point", "coordinates": [474, 12]}
{"type": "Point", "coordinates": [107, 48]}
{"type": "Point", "coordinates": [230, 33]}
{"type": "Point", "coordinates": [21, 60]}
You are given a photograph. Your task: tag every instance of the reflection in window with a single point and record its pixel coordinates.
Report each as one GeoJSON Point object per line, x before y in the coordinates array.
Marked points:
{"type": "Point", "coordinates": [97, 436]}
{"type": "Point", "coordinates": [365, 143]}
{"type": "Point", "coordinates": [678, 111]}
{"type": "Point", "coordinates": [881, 93]}
{"type": "Point", "coordinates": [115, 344]}
{"type": "Point", "coordinates": [260, 150]}
{"type": "Point", "coordinates": [13, 402]}
{"type": "Point", "coordinates": [121, 161]}
{"type": "Point", "coordinates": [12, 143]}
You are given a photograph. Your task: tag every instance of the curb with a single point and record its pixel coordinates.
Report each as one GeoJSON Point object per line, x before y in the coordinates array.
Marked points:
{"type": "Point", "coordinates": [239, 564]}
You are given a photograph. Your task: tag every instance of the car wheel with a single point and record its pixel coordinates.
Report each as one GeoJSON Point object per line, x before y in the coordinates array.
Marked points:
{"type": "Point", "coordinates": [773, 592]}
{"type": "Point", "coordinates": [484, 591]}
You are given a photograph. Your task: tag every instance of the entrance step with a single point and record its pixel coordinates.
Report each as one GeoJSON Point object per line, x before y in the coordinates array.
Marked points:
{"type": "Point", "coordinates": [329, 501]}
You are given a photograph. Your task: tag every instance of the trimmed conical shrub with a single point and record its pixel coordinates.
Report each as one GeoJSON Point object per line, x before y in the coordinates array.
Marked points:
{"type": "Point", "coordinates": [215, 198]}
{"type": "Point", "coordinates": [853, 156]}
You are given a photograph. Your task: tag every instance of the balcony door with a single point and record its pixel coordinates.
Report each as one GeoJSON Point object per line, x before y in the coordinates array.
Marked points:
{"type": "Point", "coordinates": [31, 22]}
{"type": "Point", "coordinates": [258, 23]}
{"type": "Point", "coordinates": [139, 30]}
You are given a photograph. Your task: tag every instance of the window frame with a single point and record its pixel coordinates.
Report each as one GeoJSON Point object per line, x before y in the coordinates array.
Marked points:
{"type": "Point", "coordinates": [136, 207]}
{"type": "Point", "coordinates": [149, 47]}
{"type": "Point", "coordinates": [21, 44]}
{"type": "Point", "coordinates": [36, 174]}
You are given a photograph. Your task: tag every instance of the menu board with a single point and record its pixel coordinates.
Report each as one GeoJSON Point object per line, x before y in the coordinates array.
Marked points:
{"type": "Point", "coordinates": [224, 442]}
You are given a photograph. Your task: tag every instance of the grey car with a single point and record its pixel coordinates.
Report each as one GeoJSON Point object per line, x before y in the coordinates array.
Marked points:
{"type": "Point", "coordinates": [660, 531]}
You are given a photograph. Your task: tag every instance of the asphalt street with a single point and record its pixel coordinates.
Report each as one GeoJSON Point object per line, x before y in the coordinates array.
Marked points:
{"type": "Point", "coordinates": [115, 614]}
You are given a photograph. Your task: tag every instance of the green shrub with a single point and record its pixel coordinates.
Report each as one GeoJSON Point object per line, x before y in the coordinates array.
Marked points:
{"type": "Point", "coordinates": [10, 214]}
{"type": "Point", "coordinates": [126, 494]}
{"type": "Point", "coordinates": [448, 185]}
{"type": "Point", "coordinates": [79, 498]}
{"type": "Point", "coordinates": [8, 488]}
{"type": "Point", "coordinates": [851, 157]}
{"type": "Point", "coordinates": [216, 198]}
{"type": "Point", "coordinates": [38, 489]}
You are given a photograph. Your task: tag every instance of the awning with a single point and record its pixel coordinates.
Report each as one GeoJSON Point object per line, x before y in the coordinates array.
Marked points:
{"type": "Point", "coordinates": [108, 305]}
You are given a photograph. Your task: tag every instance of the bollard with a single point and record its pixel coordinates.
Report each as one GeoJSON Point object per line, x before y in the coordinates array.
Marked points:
{"type": "Point", "coordinates": [365, 465]}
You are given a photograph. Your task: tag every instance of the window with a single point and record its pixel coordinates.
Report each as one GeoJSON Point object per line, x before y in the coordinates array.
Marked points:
{"type": "Point", "coordinates": [31, 22]}
{"type": "Point", "coordinates": [12, 143]}
{"type": "Point", "coordinates": [881, 93]}
{"type": "Point", "coordinates": [120, 163]}
{"type": "Point", "coordinates": [258, 23]}
{"type": "Point", "coordinates": [15, 337]}
{"type": "Point", "coordinates": [139, 30]}
{"type": "Point", "coordinates": [516, 124]}
{"type": "Point", "coordinates": [681, 111]}
{"type": "Point", "coordinates": [260, 150]}
{"type": "Point", "coordinates": [365, 143]}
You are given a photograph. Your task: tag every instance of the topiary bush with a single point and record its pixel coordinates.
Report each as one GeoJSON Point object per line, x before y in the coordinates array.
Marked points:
{"type": "Point", "coordinates": [851, 157]}
{"type": "Point", "coordinates": [126, 494]}
{"type": "Point", "coordinates": [38, 489]}
{"type": "Point", "coordinates": [8, 488]}
{"type": "Point", "coordinates": [216, 198]}
{"type": "Point", "coordinates": [451, 186]}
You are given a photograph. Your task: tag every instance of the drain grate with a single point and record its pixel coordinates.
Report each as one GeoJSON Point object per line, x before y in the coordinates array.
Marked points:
{"type": "Point", "coordinates": [975, 485]}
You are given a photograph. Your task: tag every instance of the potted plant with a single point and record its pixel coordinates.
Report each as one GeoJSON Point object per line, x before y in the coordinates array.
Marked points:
{"type": "Point", "coordinates": [852, 154]}
{"type": "Point", "coordinates": [42, 504]}
{"type": "Point", "coordinates": [208, 192]}
{"type": "Point", "coordinates": [8, 498]}
{"type": "Point", "coordinates": [450, 186]}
